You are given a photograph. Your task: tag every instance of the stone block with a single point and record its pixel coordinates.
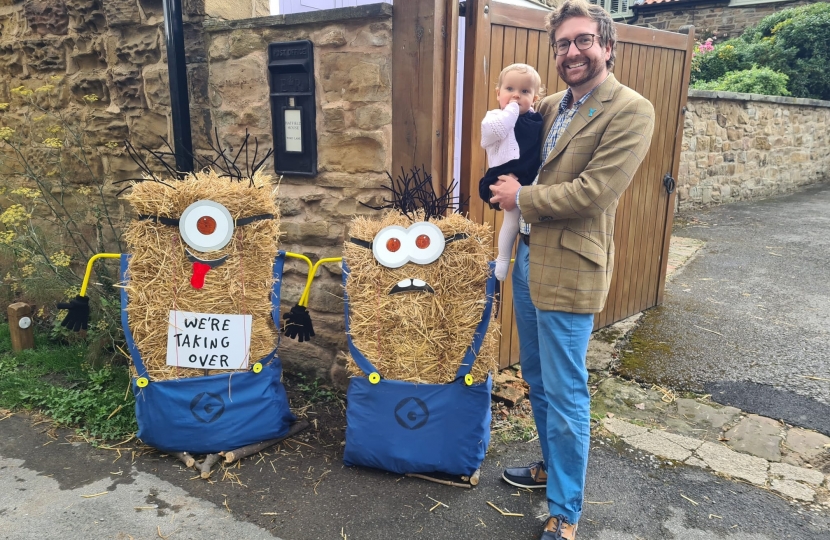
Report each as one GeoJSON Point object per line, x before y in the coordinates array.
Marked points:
{"type": "Point", "coordinates": [219, 47]}
{"type": "Point", "coordinates": [11, 59]}
{"type": "Point", "coordinates": [105, 127]}
{"type": "Point", "coordinates": [800, 474]}
{"type": "Point", "coordinates": [355, 76]}
{"type": "Point", "coordinates": [334, 119]}
{"type": "Point", "coordinates": [47, 17]}
{"type": "Point", "coordinates": [726, 461]}
{"type": "Point", "coordinates": [373, 116]}
{"type": "Point", "coordinates": [623, 429]}
{"type": "Point", "coordinates": [121, 12]}
{"type": "Point", "coordinates": [795, 490]}
{"type": "Point", "coordinates": [129, 87]}
{"type": "Point", "coordinates": [148, 129]}
{"type": "Point", "coordinates": [156, 85]}
{"type": "Point", "coordinates": [809, 445]}
{"type": "Point", "coordinates": [701, 413]}
{"type": "Point", "coordinates": [352, 152]}
{"type": "Point", "coordinates": [758, 436]}
{"type": "Point", "coordinates": [241, 43]}
{"type": "Point", "coordinates": [47, 55]}
{"type": "Point", "coordinates": [139, 45]}
{"type": "Point", "coordinates": [659, 446]}
{"type": "Point", "coordinates": [600, 355]}
{"type": "Point", "coordinates": [330, 38]}
{"type": "Point", "coordinates": [86, 84]}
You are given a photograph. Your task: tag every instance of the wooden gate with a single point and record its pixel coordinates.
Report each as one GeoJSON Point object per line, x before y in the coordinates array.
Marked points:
{"type": "Point", "coordinates": [654, 63]}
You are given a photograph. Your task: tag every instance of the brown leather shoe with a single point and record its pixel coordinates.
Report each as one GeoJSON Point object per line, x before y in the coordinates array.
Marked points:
{"type": "Point", "coordinates": [558, 528]}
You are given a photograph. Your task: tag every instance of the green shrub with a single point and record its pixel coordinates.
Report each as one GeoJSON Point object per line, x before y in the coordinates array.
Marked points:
{"type": "Point", "coordinates": [750, 81]}
{"type": "Point", "coordinates": [712, 64]}
{"type": "Point", "coordinates": [796, 42]}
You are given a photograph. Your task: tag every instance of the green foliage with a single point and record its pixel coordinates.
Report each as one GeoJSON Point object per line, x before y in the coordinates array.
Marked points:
{"type": "Point", "coordinates": [711, 65]}
{"type": "Point", "coordinates": [794, 42]}
{"type": "Point", "coordinates": [312, 390]}
{"type": "Point", "coordinates": [53, 207]}
{"type": "Point", "coordinates": [749, 81]}
{"type": "Point", "coordinates": [57, 381]}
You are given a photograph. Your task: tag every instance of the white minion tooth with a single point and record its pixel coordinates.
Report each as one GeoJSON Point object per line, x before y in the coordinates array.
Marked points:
{"type": "Point", "coordinates": [418, 282]}
{"type": "Point", "coordinates": [404, 283]}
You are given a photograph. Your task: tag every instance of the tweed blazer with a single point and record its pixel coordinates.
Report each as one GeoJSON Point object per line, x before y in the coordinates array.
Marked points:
{"type": "Point", "coordinates": [573, 206]}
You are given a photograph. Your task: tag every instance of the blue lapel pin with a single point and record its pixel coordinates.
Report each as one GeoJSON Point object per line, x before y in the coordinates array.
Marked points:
{"type": "Point", "coordinates": [591, 112]}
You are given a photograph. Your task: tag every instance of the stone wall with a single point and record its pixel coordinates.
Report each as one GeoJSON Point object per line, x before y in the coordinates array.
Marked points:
{"type": "Point", "coordinates": [114, 49]}
{"type": "Point", "coordinates": [716, 19]}
{"type": "Point", "coordinates": [745, 146]}
{"type": "Point", "coordinates": [352, 71]}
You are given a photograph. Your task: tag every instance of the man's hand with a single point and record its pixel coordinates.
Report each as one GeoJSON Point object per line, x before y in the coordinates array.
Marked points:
{"type": "Point", "coordinates": [504, 191]}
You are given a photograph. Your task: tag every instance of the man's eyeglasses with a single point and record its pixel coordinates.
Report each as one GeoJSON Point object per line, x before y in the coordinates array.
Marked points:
{"type": "Point", "coordinates": [582, 42]}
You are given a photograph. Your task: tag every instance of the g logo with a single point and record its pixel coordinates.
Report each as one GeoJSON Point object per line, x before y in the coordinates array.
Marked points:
{"type": "Point", "coordinates": [207, 407]}
{"type": "Point", "coordinates": [411, 413]}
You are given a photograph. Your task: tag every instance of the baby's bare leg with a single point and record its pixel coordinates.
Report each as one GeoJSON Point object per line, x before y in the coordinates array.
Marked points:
{"type": "Point", "coordinates": [507, 236]}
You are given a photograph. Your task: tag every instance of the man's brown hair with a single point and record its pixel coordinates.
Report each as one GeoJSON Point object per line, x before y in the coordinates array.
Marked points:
{"type": "Point", "coordinates": [581, 8]}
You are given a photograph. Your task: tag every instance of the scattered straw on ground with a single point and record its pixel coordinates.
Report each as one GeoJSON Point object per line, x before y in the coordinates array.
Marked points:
{"type": "Point", "coordinates": [159, 270]}
{"type": "Point", "coordinates": [418, 336]}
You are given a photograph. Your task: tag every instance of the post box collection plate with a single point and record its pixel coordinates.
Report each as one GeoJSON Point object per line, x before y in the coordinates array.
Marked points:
{"type": "Point", "coordinates": [293, 107]}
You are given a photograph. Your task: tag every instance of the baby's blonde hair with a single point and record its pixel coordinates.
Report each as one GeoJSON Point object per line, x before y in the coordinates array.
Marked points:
{"type": "Point", "coordinates": [524, 68]}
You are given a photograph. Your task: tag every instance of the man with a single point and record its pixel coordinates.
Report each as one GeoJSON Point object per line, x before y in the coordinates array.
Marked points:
{"type": "Point", "coordinates": [597, 134]}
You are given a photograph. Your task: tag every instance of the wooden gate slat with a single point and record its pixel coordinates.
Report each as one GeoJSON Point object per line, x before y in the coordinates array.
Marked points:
{"type": "Point", "coordinates": [649, 207]}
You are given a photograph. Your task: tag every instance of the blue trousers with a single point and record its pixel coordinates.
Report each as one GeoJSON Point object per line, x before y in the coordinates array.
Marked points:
{"type": "Point", "coordinates": [552, 350]}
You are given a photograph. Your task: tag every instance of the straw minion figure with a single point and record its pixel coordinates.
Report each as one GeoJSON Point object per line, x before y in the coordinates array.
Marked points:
{"type": "Point", "coordinates": [200, 305]}
{"type": "Point", "coordinates": [419, 302]}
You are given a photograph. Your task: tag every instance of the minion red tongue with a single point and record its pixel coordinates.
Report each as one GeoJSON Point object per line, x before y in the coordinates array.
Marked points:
{"type": "Point", "coordinates": [200, 270]}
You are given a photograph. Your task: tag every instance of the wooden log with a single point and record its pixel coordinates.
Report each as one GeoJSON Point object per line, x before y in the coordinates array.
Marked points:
{"type": "Point", "coordinates": [475, 477]}
{"type": "Point", "coordinates": [20, 326]}
{"type": "Point", "coordinates": [205, 466]}
{"type": "Point", "coordinates": [245, 451]}
{"type": "Point", "coordinates": [185, 458]}
{"type": "Point", "coordinates": [439, 480]}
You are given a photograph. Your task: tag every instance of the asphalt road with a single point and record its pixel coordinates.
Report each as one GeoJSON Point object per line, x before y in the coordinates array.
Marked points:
{"type": "Point", "coordinates": [55, 489]}
{"type": "Point", "coordinates": [748, 319]}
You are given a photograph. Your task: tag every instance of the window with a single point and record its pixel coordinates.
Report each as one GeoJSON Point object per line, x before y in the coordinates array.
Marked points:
{"type": "Point", "coordinates": [617, 8]}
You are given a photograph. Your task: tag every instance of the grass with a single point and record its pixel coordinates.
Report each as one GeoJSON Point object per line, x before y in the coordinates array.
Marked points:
{"type": "Point", "coordinates": [57, 381]}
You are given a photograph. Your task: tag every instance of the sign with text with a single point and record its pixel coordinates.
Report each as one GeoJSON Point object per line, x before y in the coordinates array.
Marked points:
{"type": "Point", "coordinates": [208, 340]}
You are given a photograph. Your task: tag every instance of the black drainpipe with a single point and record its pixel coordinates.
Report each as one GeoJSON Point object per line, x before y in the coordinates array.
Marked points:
{"type": "Point", "coordinates": [177, 71]}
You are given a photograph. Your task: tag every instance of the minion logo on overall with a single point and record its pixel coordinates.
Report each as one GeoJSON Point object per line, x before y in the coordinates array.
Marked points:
{"type": "Point", "coordinates": [419, 301]}
{"type": "Point", "coordinates": [200, 296]}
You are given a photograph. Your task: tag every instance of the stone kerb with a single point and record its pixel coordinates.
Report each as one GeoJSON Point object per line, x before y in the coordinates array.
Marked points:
{"type": "Point", "coordinates": [352, 74]}
{"type": "Point", "coordinates": [747, 146]}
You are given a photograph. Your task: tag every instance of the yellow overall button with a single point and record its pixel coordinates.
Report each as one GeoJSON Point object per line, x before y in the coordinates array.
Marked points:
{"type": "Point", "coordinates": [257, 367]}
{"type": "Point", "coordinates": [468, 379]}
{"type": "Point", "coordinates": [374, 377]}
{"type": "Point", "coordinates": [141, 382]}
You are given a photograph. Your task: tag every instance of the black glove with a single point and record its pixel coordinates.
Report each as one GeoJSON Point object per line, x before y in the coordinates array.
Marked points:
{"type": "Point", "coordinates": [77, 317]}
{"type": "Point", "coordinates": [298, 323]}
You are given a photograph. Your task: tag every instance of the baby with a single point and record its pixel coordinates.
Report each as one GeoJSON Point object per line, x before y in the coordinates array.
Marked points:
{"type": "Point", "coordinates": [512, 138]}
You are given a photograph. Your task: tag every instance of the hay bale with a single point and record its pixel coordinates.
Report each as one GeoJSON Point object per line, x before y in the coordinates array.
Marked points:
{"type": "Point", "coordinates": [418, 336]}
{"type": "Point", "coordinates": [159, 270]}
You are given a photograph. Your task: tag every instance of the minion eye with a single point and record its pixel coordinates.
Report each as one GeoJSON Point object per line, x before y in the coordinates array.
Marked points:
{"type": "Point", "coordinates": [390, 246]}
{"type": "Point", "coordinates": [427, 242]}
{"type": "Point", "coordinates": [206, 226]}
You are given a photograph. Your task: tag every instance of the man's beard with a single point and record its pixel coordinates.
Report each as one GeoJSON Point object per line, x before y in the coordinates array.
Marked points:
{"type": "Point", "coordinates": [594, 68]}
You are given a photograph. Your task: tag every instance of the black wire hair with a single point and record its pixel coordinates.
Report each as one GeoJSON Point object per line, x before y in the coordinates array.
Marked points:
{"type": "Point", "coordinates": [224, 162]}
{"type": "Point", "coordinates": [413, 192]}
